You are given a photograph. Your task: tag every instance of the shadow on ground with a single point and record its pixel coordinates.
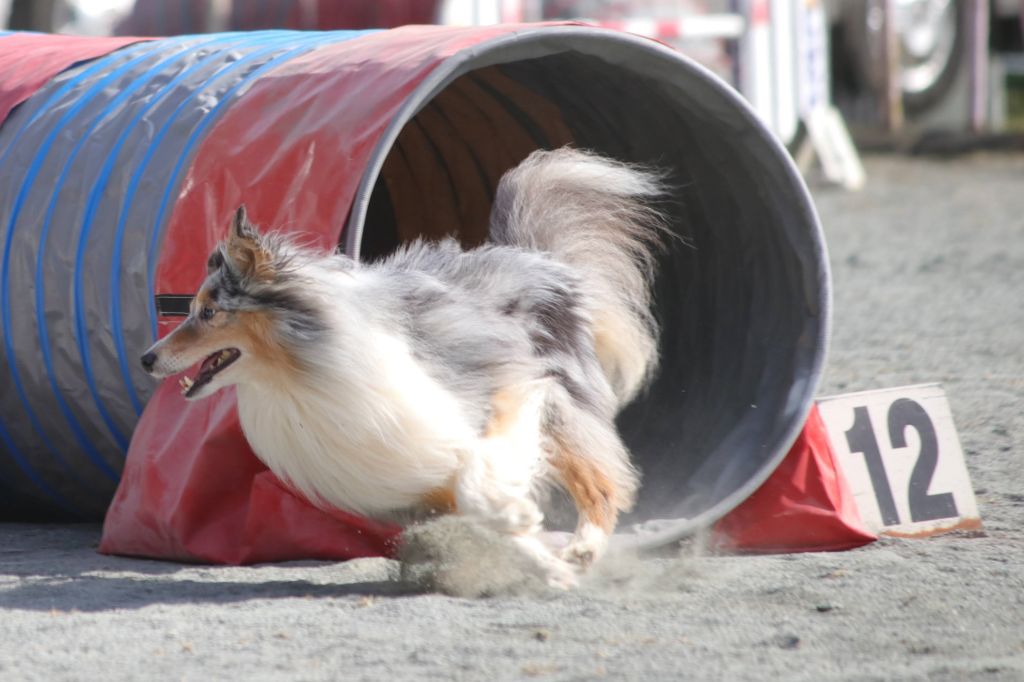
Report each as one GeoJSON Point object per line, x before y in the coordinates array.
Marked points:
{"type": "Point", "coordinates": [58, 568]}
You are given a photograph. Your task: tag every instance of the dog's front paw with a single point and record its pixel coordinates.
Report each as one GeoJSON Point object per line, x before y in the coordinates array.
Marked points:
{"type": "Point", "coordinates": [555, 573]}
{"type": "Point", "coordinates": [561, 576]}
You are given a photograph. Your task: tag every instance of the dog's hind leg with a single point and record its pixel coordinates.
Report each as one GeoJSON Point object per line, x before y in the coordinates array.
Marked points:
{"type": "Point", "coordinates": [593, 493]}
{"type": "Point", "coordinates": [592, 464]}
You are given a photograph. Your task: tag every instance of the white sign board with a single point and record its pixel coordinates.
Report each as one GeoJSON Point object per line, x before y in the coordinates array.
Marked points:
{"type": "Point", "coordinates": [899, 451]}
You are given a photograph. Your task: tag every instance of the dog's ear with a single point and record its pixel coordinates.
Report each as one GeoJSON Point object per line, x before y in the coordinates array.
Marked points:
{"type": "Point", "coordinates": [241, 228]}
{"type": "Point", "coordinates": [245, 250]}
{"type": "Point", "coordinates": [215, 261]}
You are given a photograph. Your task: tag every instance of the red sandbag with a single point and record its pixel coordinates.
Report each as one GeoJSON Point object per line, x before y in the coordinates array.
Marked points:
{"type": "Point", "coordinates": [29, 60]}
{"type": "Point", "coordinates": [804, 506]}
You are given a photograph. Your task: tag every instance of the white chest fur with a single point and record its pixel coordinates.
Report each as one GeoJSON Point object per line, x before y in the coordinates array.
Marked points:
{"type": "Point", "coordinates": [371, 434]}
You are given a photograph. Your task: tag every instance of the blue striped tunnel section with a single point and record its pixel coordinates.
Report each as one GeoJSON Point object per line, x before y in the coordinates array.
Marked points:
{"type": "Point", "coordinates": [90, 167]}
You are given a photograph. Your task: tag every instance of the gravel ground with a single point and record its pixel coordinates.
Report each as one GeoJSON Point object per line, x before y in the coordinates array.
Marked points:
{"type": "Point", "coordinates": [929, 279]}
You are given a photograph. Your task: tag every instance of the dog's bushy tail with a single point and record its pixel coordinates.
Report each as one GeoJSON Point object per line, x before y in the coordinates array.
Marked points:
{"type": "Point", "coordinates": [593, 213]}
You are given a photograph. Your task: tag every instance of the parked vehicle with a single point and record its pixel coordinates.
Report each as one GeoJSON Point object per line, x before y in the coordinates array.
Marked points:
{"type": "Point", "coordinates": [934, 40]}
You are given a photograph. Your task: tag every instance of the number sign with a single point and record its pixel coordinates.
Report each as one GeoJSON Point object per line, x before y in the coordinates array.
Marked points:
{"type": "Point", "coordinates": [899, 451]}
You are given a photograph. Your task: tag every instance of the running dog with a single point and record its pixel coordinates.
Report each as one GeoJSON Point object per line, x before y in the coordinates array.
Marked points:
{"type": "Point", "coordinates": [442, 379]}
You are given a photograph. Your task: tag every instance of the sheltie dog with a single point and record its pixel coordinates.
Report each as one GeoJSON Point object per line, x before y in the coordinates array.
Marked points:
{"type": "Point", "coordinates": [444, 379]}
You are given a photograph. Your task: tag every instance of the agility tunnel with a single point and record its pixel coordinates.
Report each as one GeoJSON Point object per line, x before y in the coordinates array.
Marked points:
{"type": "Point", "coordinates": [121, 162]}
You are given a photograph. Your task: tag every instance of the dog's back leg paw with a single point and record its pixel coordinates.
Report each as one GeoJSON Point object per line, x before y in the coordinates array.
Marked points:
{"type": "Point", "coordinates": [587, 546]}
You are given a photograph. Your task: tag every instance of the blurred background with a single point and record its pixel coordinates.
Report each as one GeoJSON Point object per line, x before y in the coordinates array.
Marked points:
{"type": "Point", "coordinates": [907, 74]}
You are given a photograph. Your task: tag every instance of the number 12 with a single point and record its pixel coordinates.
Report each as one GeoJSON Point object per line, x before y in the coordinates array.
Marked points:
{"type": "Point", "coordinates": [903, 414]}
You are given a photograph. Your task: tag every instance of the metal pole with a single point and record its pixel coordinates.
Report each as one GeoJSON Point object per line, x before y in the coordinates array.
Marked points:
{"type": "Point", "coordinates": [979, 65]}
{"type": "Point", "coordinates": [892, 92]}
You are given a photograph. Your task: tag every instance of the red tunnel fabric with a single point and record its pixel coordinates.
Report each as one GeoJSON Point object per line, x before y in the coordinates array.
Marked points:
{"type": "Point", "coordinates": [29, 60]}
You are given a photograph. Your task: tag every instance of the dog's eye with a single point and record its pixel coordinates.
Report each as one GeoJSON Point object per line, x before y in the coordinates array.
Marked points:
{"type": "Point", "coordinates": [206, 313]}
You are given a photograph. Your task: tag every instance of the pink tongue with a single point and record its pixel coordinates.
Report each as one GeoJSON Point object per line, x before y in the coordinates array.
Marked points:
{"type": "Point", "coordinates": [207, 364]}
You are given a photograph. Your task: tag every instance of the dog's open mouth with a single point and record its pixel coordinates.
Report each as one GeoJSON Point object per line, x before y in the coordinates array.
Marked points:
{"type": "Point", "coordinates": [212, 365]}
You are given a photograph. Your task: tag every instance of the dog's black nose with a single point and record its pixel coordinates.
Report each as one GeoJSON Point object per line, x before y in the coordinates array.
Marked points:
{"type": "Point", "coordinates": [148, 360]}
